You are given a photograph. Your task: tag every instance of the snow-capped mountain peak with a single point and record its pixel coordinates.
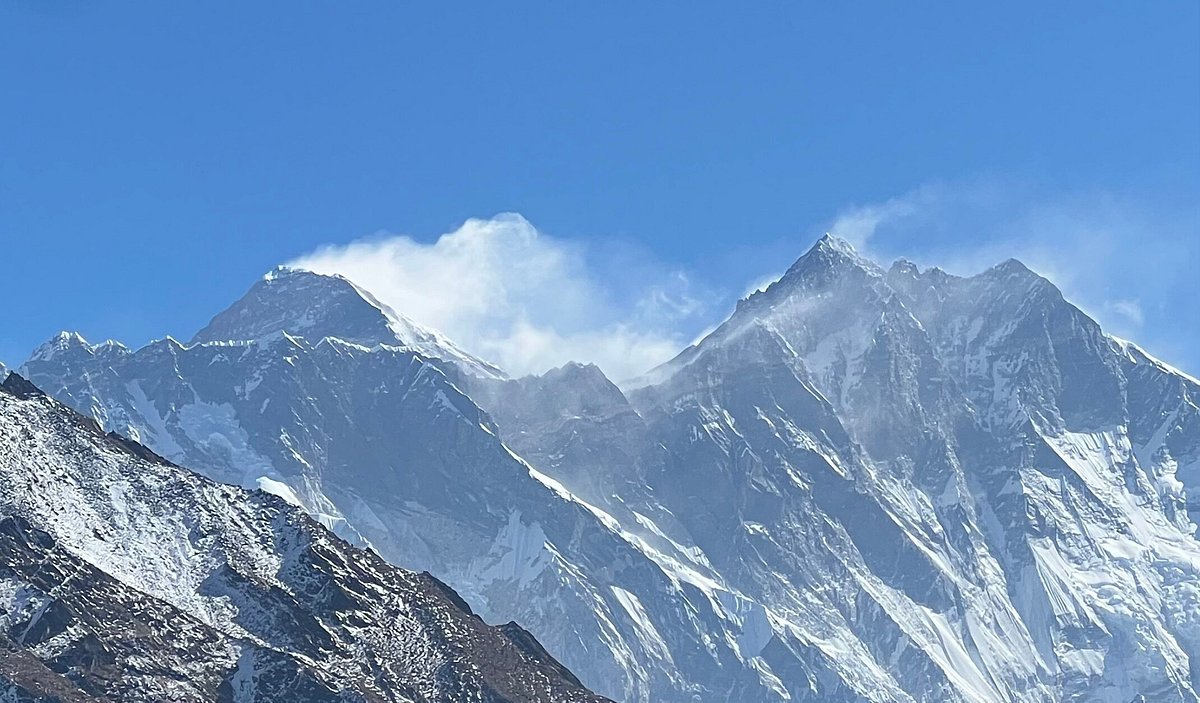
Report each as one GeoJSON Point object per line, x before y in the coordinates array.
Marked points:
{"type": "Point", "coordinates": [62, 343]}
{"type": "Point", "coordinates": [828, 299]}
{"type": "Point", "coordinates": [66, 348]}
{"type": "Point", "coordinates": [866, 484]}
{"type": "Point", "coordinates": [314, 306]}
{"type": "Point", "coordinates": [829, 257]}
{"type": "Point", "coordinates": [831, 244]}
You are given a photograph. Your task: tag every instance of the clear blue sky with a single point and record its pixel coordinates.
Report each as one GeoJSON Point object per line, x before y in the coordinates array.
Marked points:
{"type": "Point", "coordinates": [156, 158]}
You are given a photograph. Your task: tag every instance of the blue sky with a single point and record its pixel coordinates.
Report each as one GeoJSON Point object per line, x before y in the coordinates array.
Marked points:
{"type": "Point", "coordinates": [155, 159]}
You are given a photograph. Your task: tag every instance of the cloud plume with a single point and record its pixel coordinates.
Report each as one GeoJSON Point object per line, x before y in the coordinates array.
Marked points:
{"type": "Point", "coordinates": [523, 299]}
{"type": "Point", "coordinates": [530, 301]}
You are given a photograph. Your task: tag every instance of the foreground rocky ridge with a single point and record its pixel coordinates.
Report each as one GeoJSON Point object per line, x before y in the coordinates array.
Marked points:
{"type": "Point", "coordinates": [379, 443]}
{"type": "Point", "coordinates": [868, 484]}
{"type": "Point", "coordinates": [126, 578]}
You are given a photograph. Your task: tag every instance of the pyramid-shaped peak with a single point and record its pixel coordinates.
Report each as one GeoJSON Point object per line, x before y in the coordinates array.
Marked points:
{"type": "Point", "coordinates": [62, 343]}
{"type": "Point", "coordinates": [286, 278]}
{"type": "Point", "coordinates": [1012, 267]}
{"type": "Point", "coordinates": [834, 243]}
{"type": "Point", "coordinates": [18, 386]}
{"type": "Point", "coordinates": [576, 372]}
{"type": "Point", "coordinates": [904, 267]}
{"type": "Point", "coordinates": [314, 305]}
{"type": "Point", "coordinates": [1012, 272]}
{"type": "Point", "coordinates": [831, 248]}
{"type": "Point", "coordinates": [829, 258]}
{"type": "Point", "coordinates": [1013, 277]}
{"type": "Point", "coordinates": [305, 304]}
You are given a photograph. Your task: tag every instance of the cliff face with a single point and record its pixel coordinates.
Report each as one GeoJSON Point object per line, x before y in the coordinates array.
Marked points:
{"type": "Point", "coordinates": [866, 484]}
{"type": "Point", "coordinates": [126, 578]}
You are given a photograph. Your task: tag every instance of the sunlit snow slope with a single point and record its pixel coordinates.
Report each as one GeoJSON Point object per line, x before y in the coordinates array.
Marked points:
{"type": "Point", "coordinates": [125, 578]}
{"type": "Point", "coordinates": [867, 484]}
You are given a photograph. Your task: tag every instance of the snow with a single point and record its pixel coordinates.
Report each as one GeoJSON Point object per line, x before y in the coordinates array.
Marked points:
{"type": "Point", "coordinates": [278, 488]}
{"type": "Point", "coordinates": [19, 603]}
{"type": "Point", "coordinates": [648, 637]}
{"type": "Point", "coordinates": [153, 426]}
{"type": "Point", "coordinates": [291, 609]}
{"type": "Point", "coordinates": [313, 305]}
{"type": "Point", "coordinates": [862, 486]}
{"type": "Point", "coordinates": [215, 430]}
{"type": "Point", "coordinates": [1133, 352]}
{"type": "Point", "coordinates": [519, 554]}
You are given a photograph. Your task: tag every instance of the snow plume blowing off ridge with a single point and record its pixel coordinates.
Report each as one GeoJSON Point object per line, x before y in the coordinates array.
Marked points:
{"type": "Point", "coordinates": [1128, 259]}
{"type": "Point", "coordinates": [520, 298]}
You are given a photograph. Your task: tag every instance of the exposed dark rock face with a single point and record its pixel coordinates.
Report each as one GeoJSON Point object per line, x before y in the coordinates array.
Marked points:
{"type": "Point", "coordinates": [866, 484]}
{"type": "Point", "coordinates": [126, 578]}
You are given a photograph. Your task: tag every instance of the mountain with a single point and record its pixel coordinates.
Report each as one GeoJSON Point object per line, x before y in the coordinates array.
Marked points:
{"type": "Point", "coordinates": [126, 578]}
{"type": "Point", "coordinates": [950, 488]}
{"type": "Point", "coordinates": [869, 483]}
{"type": "Point", "coordinates": [556, 419]}
{"type": "Point", "coordinates": [998, 480]}
{"type": "Point", "coordinates": [380, 445]}
{"type": "Point", "coordinates": [314, 306]}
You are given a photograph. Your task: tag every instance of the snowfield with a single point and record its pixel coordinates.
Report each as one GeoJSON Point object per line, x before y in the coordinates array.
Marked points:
{"type": "Point", "coordinates": [868, 484]}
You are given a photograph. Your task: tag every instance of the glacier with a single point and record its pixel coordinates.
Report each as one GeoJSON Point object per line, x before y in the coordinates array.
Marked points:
{"type": "Point", "coordinates": [867, 484]}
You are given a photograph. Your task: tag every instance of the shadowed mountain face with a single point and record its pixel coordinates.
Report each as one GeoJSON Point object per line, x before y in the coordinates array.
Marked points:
{"type": "Point", "coordinates": [125, 578]}
{"type": "Point", "coordinates": [867, 484]}
{"type": "Point", "coordinates": [309, 305]}
{"type": "Point", "coordinates": [378, 444]}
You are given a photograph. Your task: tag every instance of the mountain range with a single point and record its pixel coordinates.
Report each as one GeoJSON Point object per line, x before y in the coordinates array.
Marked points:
{"type": "Point", "coordinates": [126, 578]}
{"type": "Point", "coordinates": [867, 484]}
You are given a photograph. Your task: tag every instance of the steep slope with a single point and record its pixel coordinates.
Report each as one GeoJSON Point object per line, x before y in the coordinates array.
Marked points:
{"type": "Point", "coordinates": [573, 424]}
{"type": "Point", "coordinates": [123, 577]}
{"type": "Point", "coordinates": [1014, 455]}
{"type": "Point", "coordinates": [1019, 350]}
{"type": "Point", "coordinates": [315, 306]}
{"type": "Point", "coordinates": [867, 484]}
{"type": "Point", "coordinates": [381, 446]}
{"type": "Point", "coordinates": [953, 489]}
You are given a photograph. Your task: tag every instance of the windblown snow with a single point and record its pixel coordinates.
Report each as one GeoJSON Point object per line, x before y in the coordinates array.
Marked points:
{"type": "Point", "coordinates": [867, 484]}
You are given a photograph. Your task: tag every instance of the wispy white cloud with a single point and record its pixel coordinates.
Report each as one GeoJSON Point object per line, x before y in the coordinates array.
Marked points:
{"type": "Point", "coordinates": [1130, 310]}
{"type": "Point", "coordinates": [1126, 261]}
{"type": "Point", "coordinates": [526, 300]}
{"type": "Point", "coordinates": [859, 223]}
{"type": "Point", "coordinates": [530, 301]}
